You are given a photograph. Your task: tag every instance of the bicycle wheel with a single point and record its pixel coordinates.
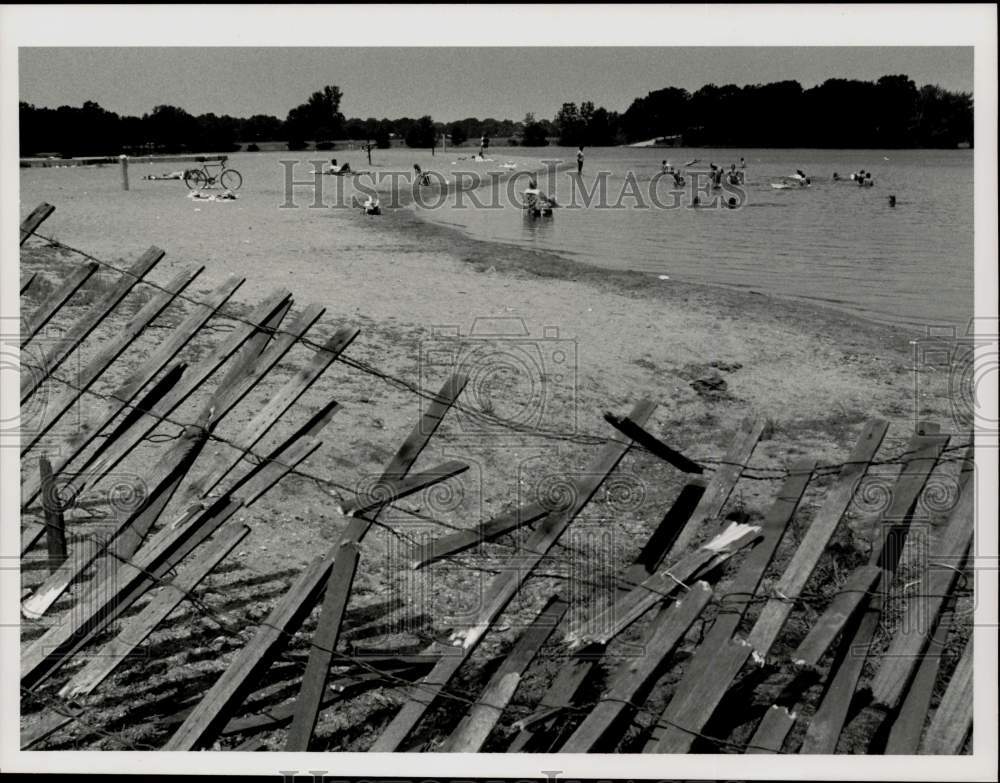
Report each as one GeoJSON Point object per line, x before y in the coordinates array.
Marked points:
{"type": "Point", "coordinates": [231, 179]}
{"type": "Point", "coordinates": [194, 179]}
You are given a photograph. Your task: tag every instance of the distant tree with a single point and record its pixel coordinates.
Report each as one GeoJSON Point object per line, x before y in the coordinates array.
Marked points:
{"type": "Point", "coordinates": [171, 128]}
{"type": "Point", "coordinates": [569, 125]}
{"type": "Point", "coordinates": [317, 118]}
{"type": "Point", "coordinates": [383, 135]}
{"type": "Point", "coordinates": [533, 133]}
{"type": "Point", "coordinates": [457, 133]}
{"type": "Point", "coordinates": [421, 133]}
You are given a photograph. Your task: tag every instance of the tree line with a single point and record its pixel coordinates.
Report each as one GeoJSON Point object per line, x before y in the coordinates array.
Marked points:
{"type": "Point", "coordinates": [888, 113]}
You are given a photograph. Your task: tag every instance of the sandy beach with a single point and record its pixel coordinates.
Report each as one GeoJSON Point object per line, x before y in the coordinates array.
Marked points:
{"type": "Point", "coordinates": [707, 356]}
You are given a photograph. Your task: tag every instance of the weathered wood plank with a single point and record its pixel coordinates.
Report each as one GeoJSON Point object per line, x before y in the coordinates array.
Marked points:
{"type": "Point", "coordinates": [952, 720]}
{"type": "Point", "coordinates": [387, 491]}
{"type": "Point", "coordinates": [63, 401]}
{"type": "Point", "coordinates": [60, 349]}
{"type": "Point", "coordinates": [322, 648]}
{"type": "Point", "coordinates": [223, 462]}
{"type": "Point", "coordinates": [38, 216]}
{"type": "Point", "coordinates": [97, 420]}
{"type": "Point", "coordinates": [605, 626]}
{"type": "Point", "coordinates": [565, 686]}
{"type": "Point", "coordinates": [501, 590]}
{"type": "Point", "coordinates": [652, 444]}
{"type": "Point", "coordinates": [828, 722]}
{"type": "Point", "coordinates": [632, 682]}
{"type": "Point", "coordinates": [26, 285]}
{"type": "Point", "coordinates": [454, 543]}
{"type": "Point", "coordinates": [30, 535]}
{"type": "Point", "coordinates": [908, 727]}
{"type": "Point", "coordinates": [55, 524]}
{"type": "Point", "coordinates": [772, 731]}
{"type": "Point", "coordinates": [775, 612]}
{"type": "Point", "coordinates": [138, 628]}
{"type": "Point", "coordinates": [45, 728]}
{"type": "Point", "coordinates": [705, 680]}
{"type": "Point", "coordinates": [901, 659]}
{"type": "Point", "coordinates": [475, 727]}
{"type": "Point", "coordinates": [45, 312]}
{"type": "Point", "coordinates": [216, 708]}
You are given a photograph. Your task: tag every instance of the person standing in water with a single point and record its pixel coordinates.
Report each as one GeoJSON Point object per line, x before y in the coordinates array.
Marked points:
{"type": "Point", "coordinates": [484, 146]}
{"type": "Point", "coordinates": [579, 160]}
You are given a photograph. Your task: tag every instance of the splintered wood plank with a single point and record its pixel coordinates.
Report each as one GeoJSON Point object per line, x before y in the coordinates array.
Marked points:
{"type": "Point", "coordinates": [828, 722]}
{"type": "Point", "coordinates": [454, 543]}
{"type": "Point", "coordinates": [38, 216]}
{"type": "Point", "coordinates": [772, 731]}
{"type": "Point", "coordinates": [60, 349]}
{"type": "Point", "coordinates": [776, 611]}
{"type": "Point", "coordinates": [501, 590]}
{"type": "Point", "coordinates": [98, 466]}
{"type": "Point", "coordinates": [570, 678]}
{"type": "Point", "coordinates": [903, 656]}
{"type": "Point", "coordinates": [907, 728]}
{"type": "Point", "coordinates": [223, 462]}
{"type": "Point", "coordinates": [631, 684]}
{"type": "Point", "coordinates": [138, 628]}
{"type": "Point", "coordinates": [225, 695]}
{"type": "Point", "coordinates": [652, 444]}
{"type": "Point", "coordinates": [706, 680]}
{"type": "Point", "coordinates": [952, 719]}
{"type": "Point", "coordinates": [64, 400]}
{"type": "Point", "coordinates": [605, 626]}
{"type": "Point", "coordinates": [44, 313]}
{"type": "Point", "coordinates": [322, 648]}
{"type": "Point", "coordinates": [389, 491]}
{"type": "Point", "coordinates": [475, 727]}
{"type": "Point", "coordinates": [95, 420]}
{"type": "Point", "coordinates": [161, 480]}
{"type": "Point", "coordinates": [415, 442]}
{"type": "Point", "coordinates": [722, 483]}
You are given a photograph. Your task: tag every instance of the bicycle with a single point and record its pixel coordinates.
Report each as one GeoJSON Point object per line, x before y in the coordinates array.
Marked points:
{"type": "Point", "coordinates": [199, 179]}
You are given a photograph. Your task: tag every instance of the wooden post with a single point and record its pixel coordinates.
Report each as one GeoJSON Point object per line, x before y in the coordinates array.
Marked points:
{"type": "Point", "coordinates": [124, 160]}
{"type": "Point", "coordinates": [55, 525]}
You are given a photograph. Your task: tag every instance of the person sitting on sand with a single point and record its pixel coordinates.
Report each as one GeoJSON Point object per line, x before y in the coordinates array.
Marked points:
{"type": "Point", "coordinates": [339, 170]}
{"type": "Point", "coordinates": [667, 167]}
{"type": "Point", "coordinates": [678, 179]}
{"type": "Point", "coordinates": [836, 177]}
{"type": "Point", "coordinates": [422, 178]}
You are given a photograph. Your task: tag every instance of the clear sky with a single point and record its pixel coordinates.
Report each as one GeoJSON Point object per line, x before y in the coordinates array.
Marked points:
{"type": "Point", "coordinates": [447, 83]}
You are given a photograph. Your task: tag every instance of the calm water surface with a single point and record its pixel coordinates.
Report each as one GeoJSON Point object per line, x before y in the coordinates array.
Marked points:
{"type": "Point", "coordinates": [834, 243]}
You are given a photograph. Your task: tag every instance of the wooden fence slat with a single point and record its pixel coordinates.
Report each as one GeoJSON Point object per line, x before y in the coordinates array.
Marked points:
{"type": "Point", "coordinates": [26, 285]}
{"type": "Point", "coordinates": [454, 543]}
{"type": "Point", "coordinates": [952, 720]}
{"type": "Point", "coordinates": [323, 646]}
{"type": "Point", "coordinates": [632, 681]}
{"type": "Point", "coordinates": [216, 708]}
{"type": "Point", "coordinates": [222, 462]}
{"type": "Point", "coordinates": [565, 686]}
{"type": "Point", "coordinates": [908, 727]}
{"type": "Point", "coordinates": [722, 483]}
{"type": "Point", "coordinates": [98, 466]}
{"type": "Point", "coordinates": [162, 476]}
{"type": "Point", "coordinates": [38, 216]}
{"type": "Point", "coordinates": [900, 661]}
{"type": "Point", "coordinates": [55, 524]}
{"type": "Point", "coordinates": [828, 721]}
{"type": "Point", "coordinates": [389, 491]}
{"type": "Point", "coordinates": [96, 421]}
{"type": "Point", "coordinates": [81, 329]}
{"type": "Point", "coordinates": [56, 407]}
{"type": "Point", "coordinates": [772, 731]}
{"type": "Point", "coordinates": [475, 727]}
{"type": "Point", "coordinates": [605, 626]}
{"type": "Point", "coordinates": [46, 311]}
{"type": "Point", "coordinates": [652, 444]}
{"type": "Point", "coordinates": [138, 628]}
{"type": "Point", "coordinates": [501, 590]}
{"type": "Point", "coordinates": [705, 679]}
{"type": "Point", "coordinates": [776, 611]}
